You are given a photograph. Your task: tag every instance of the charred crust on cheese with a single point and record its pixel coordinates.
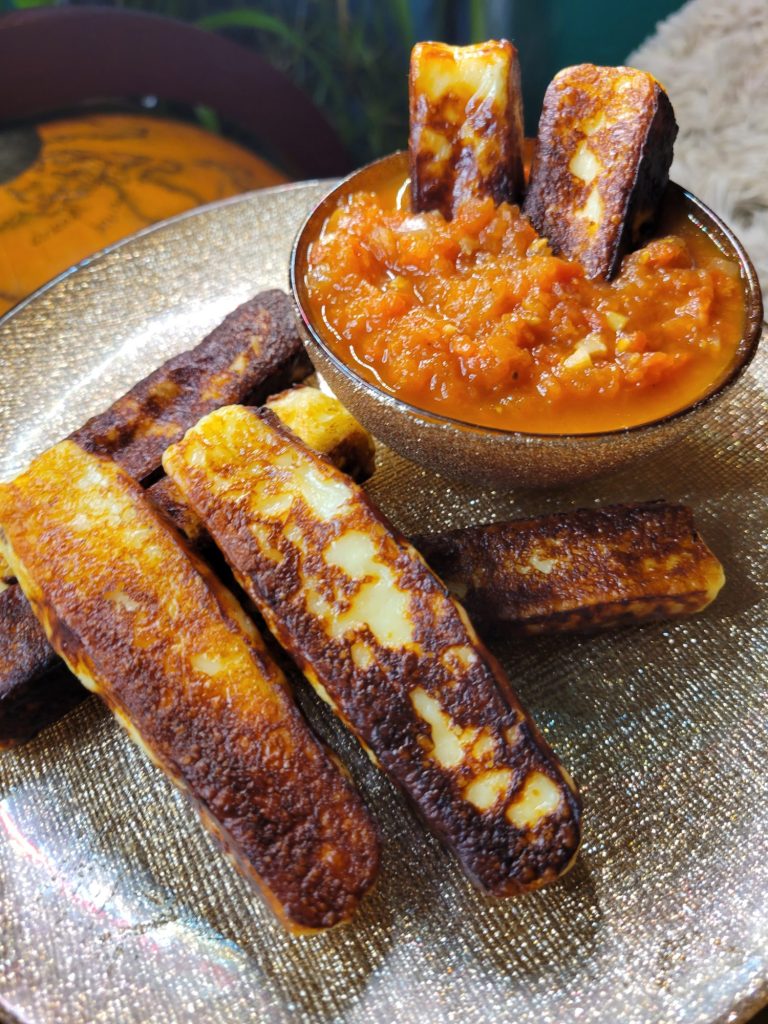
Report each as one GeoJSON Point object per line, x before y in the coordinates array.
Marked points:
{"type": "Point", "coordinates": [466, 125]}
{"type": "Point", "coordinates": [255, 350]}
{"type": "Point", "coordinates": [151, 630]}
{"type": "Point", "coordinates": [581, 570]}
{"type": "Point", "coordinates": [170, 503]}
{"type": "Point", "coordinates": [381, 640]}
{"type": "Point", "coordinates": [35, 689]}
{"type": "Point", "coordinates": [601, 165]}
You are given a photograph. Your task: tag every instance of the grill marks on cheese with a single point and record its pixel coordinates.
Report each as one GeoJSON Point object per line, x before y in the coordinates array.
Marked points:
{"type": "Point", "coordinates": [187, 674]}
{"type": "Point", "coordinates": [380, 639]}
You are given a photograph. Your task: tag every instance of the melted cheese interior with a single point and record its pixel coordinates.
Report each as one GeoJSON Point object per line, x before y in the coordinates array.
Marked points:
{"type": "Point", "coordinates": [593, 159]}
{"type": "Point", "coordinates": [466, 92]}
{"type": "Point", "coordinates": [323, 424]}
{"type": "Point", "coordinates": [466, 72]}
{"type": "Point", "coordinates": [378, 603]}
{"type": "Point", "coordinates": [450, 742]}
{"type": "Point", "coordinates": [489, 787]}
{"type": "Point", "coordinates": [539, 797]}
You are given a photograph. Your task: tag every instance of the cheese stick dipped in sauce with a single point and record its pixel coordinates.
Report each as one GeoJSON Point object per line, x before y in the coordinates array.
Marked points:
{"type": "Point", "coordinates": [466, 119]}
{"type": "Point", "coordinates": [172, 653]}
{"type": "Point", "coordinates": [602, 163]}
{"type": "Point", "coordinates": [382, 641]}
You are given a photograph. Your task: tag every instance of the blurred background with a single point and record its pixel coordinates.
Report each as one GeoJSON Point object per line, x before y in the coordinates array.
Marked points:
{"type": "Point", "coordinates": [115, 116]}
{"type": "Point", "coordinates": [351, 56]}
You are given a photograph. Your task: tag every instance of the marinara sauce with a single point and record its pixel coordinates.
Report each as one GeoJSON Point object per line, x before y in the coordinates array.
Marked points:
{"type": "Point", "coordinates": [476, 319]}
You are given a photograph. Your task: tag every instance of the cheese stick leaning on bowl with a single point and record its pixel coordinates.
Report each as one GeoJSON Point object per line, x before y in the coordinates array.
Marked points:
{"type": "Point", "coordinates": [35, 688]}
{"type": "Point", "coordinates": [169, 649]}
{"type": "Point", "coordinates": [380, 639]}
{"type": "Point", "coordinates": [602, 156]}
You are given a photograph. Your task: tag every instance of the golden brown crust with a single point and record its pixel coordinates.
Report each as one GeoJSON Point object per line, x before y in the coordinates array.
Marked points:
{"type": "Point", "coordinates": [466, 124]}
{"type": "Point", "coordinates": [602, 162]}
{"type": "Point", "coordinates": [379, 637]}
{"type": "Point", "coordinates": [583, 570]}
{"type": "Point", "coordinates": [34, 689]}
{"type": "Point", "coordinates": [605, 569]}
{"type": "Point", "coordinates": [254, 351]}
{"type": "Point", "coordinates": [174, 656]}
{"type": "Point", "coordinates": [170, 502]}
{"type": "Point", "coordinates": [6, 573]}
{"type": "Point", "coordinates": [319, 420]}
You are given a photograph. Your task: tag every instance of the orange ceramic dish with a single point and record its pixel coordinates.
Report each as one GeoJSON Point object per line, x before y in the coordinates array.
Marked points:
{"type": "Point", "coordinates": [476, 320]}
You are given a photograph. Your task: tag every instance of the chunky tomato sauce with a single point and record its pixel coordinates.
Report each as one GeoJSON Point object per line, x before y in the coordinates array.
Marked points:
{"type": "Point", "coordinates": [476, 319]}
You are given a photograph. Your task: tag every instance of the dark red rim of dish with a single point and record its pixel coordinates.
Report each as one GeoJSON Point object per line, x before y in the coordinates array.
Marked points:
{"type": "Point", "coordinates": [707, 220]}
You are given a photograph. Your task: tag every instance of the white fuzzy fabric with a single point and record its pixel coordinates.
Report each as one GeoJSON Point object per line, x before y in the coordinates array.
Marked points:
{"type": "Point", "coordinates": [712, 57]}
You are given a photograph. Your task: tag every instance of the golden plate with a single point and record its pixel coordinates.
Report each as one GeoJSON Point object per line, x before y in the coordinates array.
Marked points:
{"type": "Point", "coordinates": [115, 906]}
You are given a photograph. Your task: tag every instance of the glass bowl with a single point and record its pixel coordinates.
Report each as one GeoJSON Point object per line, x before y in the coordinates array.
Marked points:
{"type": "Point", "coordinates": [489, 456]}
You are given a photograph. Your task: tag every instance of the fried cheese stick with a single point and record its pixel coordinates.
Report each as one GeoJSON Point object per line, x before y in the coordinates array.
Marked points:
{"type": "Point", "coordinates": [256, 349]}
{"type": "Point", "coordinates": [35, 689]}
{"type": "Point", "coordinates": [172, 653]}
{"type": "Point", "coordinates": [324, 425]}
{"type": "Point", "coordinates": [602, 163]}
{"type": "Point", "coordinates": [466, 125]}
{"type": "Point", "coordinates": [379, 638]}
{"type": "Point", "coordinates": [321, 422]}
{"type": "Point", "coordinates": [578, 571]}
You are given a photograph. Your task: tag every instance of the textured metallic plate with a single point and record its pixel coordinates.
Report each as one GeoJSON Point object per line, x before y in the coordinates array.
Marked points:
{"type": "Point", "coordinates": [114, 906]}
